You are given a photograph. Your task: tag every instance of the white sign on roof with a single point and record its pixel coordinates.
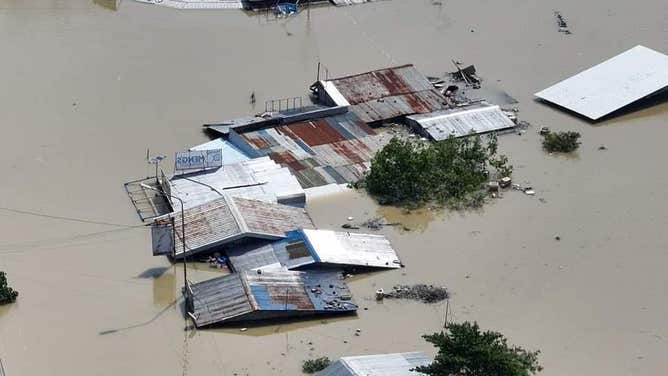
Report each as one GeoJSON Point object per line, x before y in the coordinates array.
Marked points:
{"type": "Point", "coordinates": [611, 85]}
{"type": "Point", "coordinates": [199, 159]}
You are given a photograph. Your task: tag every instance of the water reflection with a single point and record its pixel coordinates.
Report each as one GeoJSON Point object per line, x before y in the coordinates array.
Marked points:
{"type": "Point", "coordinates": [410, 220]}
{"type": "Point", "coordinates": [108, 4]}
{"type": "Point", "coordinates": [164, 289]}
{"type": "Point", "coordinates": [266, 328]}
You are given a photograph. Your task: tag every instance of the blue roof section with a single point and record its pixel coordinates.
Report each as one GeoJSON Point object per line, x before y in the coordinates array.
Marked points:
{"type": "Point", "coordinates": [304, 247]}
{"type": "Point", "coordinates": [231, 153]}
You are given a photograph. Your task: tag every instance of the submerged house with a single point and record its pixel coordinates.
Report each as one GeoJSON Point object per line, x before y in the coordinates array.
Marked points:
{"type": "Point", "coordinates": [224, 221]}
{"type": "Point", "coordinates": [306, 248]}
{"type": "Point", "coordinates": [400, 364]}
{"type": "Point", "coordinates": [382, 95]}
{"type": "Point", "coordinates": [251, 296]}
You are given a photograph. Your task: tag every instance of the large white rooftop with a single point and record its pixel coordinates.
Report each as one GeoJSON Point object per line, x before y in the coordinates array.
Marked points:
{"type": "Point", "coordinates": [611, 85]}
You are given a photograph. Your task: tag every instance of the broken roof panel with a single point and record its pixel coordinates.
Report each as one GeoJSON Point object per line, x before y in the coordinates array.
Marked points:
{"type": "Point", "coordinates": [259, 179]}
{"type": "Point", "coordinates": [383, 94]}
{"type": "Point", "coordinates": [612, 84]}
{"type": "Point", "coordinates": [228, 219]}
{"type": "Point", "coordinates": [460, 122]}
{"type": "Point", "coordinates": [306, 247]}
{"type": "Point", "coordinates": [249, 295]}
{"type": "Point", "coordinates": [400, 364]}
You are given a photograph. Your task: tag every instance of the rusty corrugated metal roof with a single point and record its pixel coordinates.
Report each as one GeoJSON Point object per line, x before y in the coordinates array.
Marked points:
{"type": "Point", "coordinates": [227, 219]}
{"type": "Point", "coordinates": [247, 296]}
{"type": "Point", "coordinates": [386, 93]}
{"type": "Point", "coordinates": [335, 149]}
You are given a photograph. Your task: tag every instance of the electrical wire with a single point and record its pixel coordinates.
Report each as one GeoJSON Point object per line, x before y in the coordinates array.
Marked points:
{"type": "Point", "coordinates": [63, 218]}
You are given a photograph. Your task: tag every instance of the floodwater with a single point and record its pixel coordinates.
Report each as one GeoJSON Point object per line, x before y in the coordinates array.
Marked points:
{"type": "Point", "coordinates": [87, 89]}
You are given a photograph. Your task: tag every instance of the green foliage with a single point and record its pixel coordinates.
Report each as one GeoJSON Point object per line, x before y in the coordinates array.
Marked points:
{"type": "Point", "coordinates": [451, 172]}
{"type": "Point", "coordinates": [561, 142]}
{"type": "Point", "coordinates": [315, 365]}
{"type": "Point", "coordinates": [7, 294]}
{"type": "Point", "coordinates": [463, 350]}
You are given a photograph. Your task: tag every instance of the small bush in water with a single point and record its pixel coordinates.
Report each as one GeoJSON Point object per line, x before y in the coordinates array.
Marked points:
{"type": "Point", "coordinates": [7, 294]}
{"type": "Point", "coordinates": [561, 142]}
{"type": "Point", "coordinates": [315, 365]}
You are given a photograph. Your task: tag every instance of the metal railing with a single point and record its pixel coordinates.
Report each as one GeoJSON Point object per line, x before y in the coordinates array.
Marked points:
{"type": "Point", "coordinates": [284, 104]}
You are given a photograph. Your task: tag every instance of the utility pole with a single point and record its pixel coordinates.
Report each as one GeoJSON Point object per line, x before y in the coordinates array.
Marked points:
{"type": "Point", "coordinates": [447, 309]}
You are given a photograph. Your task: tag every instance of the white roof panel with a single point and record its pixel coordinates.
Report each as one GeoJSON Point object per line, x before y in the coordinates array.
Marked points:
{"type": "Point", "coordinates": [258, 179]}
{"type": "Point", "coordinates": [344, 248]}
{"type": "Point", "coordinates": [400, 364]}
{"type": "Point", "coordinates": [611, 85]}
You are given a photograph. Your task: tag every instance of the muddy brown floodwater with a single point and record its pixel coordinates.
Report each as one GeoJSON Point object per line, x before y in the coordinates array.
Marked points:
{"type": "Point", "coordinates": [86, 90]}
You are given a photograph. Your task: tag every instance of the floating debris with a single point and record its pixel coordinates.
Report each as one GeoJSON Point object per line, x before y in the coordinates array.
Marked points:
{"type": "Point", "coordinates": [526, 189]}
{"type": "Point", "coordinates": [561, 22]}
{"type": "Point", "coordinates": [421, 292]}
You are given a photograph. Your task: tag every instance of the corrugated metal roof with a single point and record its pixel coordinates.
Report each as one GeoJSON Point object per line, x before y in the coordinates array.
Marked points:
{"type": "Point", "coordinates": [335, 149]}
{"type": "Point", "coordinates": [308, 247]}
{"type": "Point", "coordinates": [460, 122]}
{"type": "Point", "coordinates": [197, 4]}
{"type": "Point", "coordinates": [258, 179]}
{"type": "Point", "coordinates": [385, 93]}
{"type": "Point", "coordinates": [251, 296]}
{"type": "Point", "coordinates": [612, 84]}
{"type": "Point", "coordinates": [227, 219]}
{"type": "Point", "coordinates": [231, 154]}
{"type": "Point", "coordinates": [399, 364]}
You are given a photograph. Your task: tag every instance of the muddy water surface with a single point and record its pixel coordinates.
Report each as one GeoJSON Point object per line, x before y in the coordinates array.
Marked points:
{"type": "Point", "coordinates": [86, 90]}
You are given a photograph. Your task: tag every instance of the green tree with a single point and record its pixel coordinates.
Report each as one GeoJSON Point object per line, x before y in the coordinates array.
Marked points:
{"type": "Point", "coordinates": [463, 350]}
{"type": "Point", "coordinates": [450, 172]}
{"type": "Point", "coordinates": [7, 294]}
{"type": "Point", "coordinates": [314, 365]}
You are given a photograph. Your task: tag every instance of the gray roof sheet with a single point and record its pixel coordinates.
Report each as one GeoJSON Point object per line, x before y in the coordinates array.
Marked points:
{"type": "Point", "coordinates": [612, 84]}
{"type": "Point", "coordinates": [461, 122]}
{"type": "Point", "coordinates": [399, 364]}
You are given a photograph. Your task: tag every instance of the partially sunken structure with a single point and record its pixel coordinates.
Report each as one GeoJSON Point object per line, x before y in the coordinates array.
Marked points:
{"type": "Point", "coordinates": [252, 296]}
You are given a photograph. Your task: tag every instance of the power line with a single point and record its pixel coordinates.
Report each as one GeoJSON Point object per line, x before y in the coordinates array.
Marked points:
{"type": "Point", "coordinates": [63, 218]}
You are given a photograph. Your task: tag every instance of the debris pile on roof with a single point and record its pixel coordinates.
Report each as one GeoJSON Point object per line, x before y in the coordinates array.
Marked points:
{"type": "Point", "coordinates": [611, 85]}
{"type": "Point", "coordinates": [400, 364]}
{"type": "Point", "coordinates": [225, 220]}
{"type": "Point", "coordinates": [304, 248]}
{"type": "Point", "coordinates": [251, 295]}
